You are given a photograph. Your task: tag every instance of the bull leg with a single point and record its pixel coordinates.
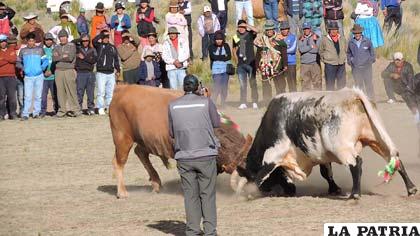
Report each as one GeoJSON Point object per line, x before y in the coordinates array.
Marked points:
{"type": "Point", "coordinates": [356, 173]}
{"type": "Point", "coordinates": [411, 188]}
{"type": "Point", "coordinates": [326, 172]}
{"type": "Point", "coordinates": [121, 155]}
{"type": "Point", "coordinates": [153, 175]}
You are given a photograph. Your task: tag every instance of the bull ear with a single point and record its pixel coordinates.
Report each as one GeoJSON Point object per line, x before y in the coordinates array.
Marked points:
{"type": "Point", "coordinates": [248, 139]}
{"type": "Point", "coordinates": [247, 146]}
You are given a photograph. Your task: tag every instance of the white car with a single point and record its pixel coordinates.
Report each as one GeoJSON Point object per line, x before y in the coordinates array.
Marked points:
{"type": "Point", "coordinates": [89, 5]}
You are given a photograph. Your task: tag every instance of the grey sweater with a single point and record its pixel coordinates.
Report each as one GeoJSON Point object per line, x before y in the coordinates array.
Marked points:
{"type": "Point", "coordinates": [309, 49]}
{"type": "Point", "coordinates": [191, 122]}
{"type": "Point", "coordinates": [65, 56]}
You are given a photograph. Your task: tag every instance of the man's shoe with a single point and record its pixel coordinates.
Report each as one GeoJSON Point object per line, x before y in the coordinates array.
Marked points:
{"type": "Point", "coordinates": [60, 114]}
{"type": "Point", "coordinates": [390, 101]}
{"type": "Point", "coordinates": [35, 116]}
{"type": "Point", "coordinates": [101, 111]}
{"type": "Point", "coordinates": [91, 112]}
{"type": "Point", "coordinates": [242, 106]}
{"type": "Point", "coordinates": [42, 115]}
{"type": "Point", "coordinates": [24, 118]}
{"type": "Point", "coordinates": [255, 105]}
{"type": "Point", "coordinates": [13, 117]}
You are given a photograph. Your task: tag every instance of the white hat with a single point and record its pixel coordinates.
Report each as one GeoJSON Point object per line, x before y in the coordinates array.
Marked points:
{"type": "Point", "coordinates": [398, 56]}
{"type": "Point", "coordinates": [206, 9]}
{"type": "Point", "coordinates": [30, 16]}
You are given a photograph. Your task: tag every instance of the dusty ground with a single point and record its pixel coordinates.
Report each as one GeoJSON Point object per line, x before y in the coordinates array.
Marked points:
{"type": "Point", "coordinates": [56, 179]}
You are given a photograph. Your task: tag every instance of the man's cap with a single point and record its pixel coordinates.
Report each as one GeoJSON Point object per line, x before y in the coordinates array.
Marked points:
{"type": "Point", "coordinates": [307, 25]}
{"type": "Point", "coordinates": [333, 25]}
{"type": "Point", "coordinates": [49, 36]}
{"type": "Point", "coordinates": [357, 29]}
{"type": "Point", "coordinates": [269, 25]}
{"type": "Point", "coordinates": [284, 25]}
{"type": "Point", "coordinates": [63, 33]}
{"type": "Point", "coordinates": [242, 23]}
{"type": "Point", "coordinates": [100, 6]}
{"type": "Point", "coordinates": [190, 83]}
{"type": "Point", "coordinates": [82, 10]}
{"type": "Point", "coordinates": [3, 38]}
{"type": "Point", "coordinates": [398, 56]}
{"type": "Point", "coordinates": [30, 16]}
{"type": "Point", "coordinates": [173, 30]}
{"type": "Point", "coordinates": [207, 9]}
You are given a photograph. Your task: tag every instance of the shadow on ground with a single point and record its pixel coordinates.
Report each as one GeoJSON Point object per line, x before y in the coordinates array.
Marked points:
{"type": "Point", "coordinates": [170, 227]}
{"type": "Point", "coordinates": [170, 187]}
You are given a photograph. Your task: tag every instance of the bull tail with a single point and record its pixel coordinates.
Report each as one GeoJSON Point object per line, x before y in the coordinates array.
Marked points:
{"type": "Point", "coordinates": [377, 123]}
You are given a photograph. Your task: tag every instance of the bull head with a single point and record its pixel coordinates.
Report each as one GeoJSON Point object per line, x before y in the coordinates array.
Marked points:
{"type": "Point", "coordinates": [237, 182]}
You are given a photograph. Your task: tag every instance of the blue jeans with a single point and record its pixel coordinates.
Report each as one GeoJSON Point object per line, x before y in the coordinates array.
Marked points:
{"type": "Point", "coordinates": [220, 87]}
{"type": "Point", "coordinates": [247, 6]}
{"type": "Point", "coordinates": [33, 88]}
{"type": "Point", "coordinates": [176, 78]}
{"type": "Point", "coordinates": [106, 84]}
{"type": "Point", "coordinates": [245, 72]}
{"type": "Point", "coordinates": [271, 10]}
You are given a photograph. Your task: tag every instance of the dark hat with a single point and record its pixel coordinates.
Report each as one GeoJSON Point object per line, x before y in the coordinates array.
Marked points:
{"type": "Point", "coordinates": [269, 25]}
{"type": "Point", "coordinates": [63, 33]}
{"type": "Point", "coordinates": [190, 83]}
{"type": "Point", "coordinates": [12, 39]}
{"type": "Point", "coordinates": [307, 25]}
{"type": "Point", "coordinates": [119, 5]}
{"type": "Point", "coordinates": [357, 29]}
{"type": "Point", "coordinates": [242, 23]}
{"type": "Point", "coordinates": [219, 35]}
{"type": "Point", "coordinates": [49, 36]}
{"type": "Point", "coordinates": [100, 6]}
{"type": "Point", "coordinates": [85, 35]}
{"type": "Point", "coordinates": [173, 30]}
{"type": "Point", "coordinates": [152, 33]}
{"type": "Point", "coordinates": [144, 1]}
{"type": "Point", "coordinates": [333, 25]}
{"type": "Point", "coordinates": [2, 6]}
{"type": "Point", "coordinates": [284, 25]}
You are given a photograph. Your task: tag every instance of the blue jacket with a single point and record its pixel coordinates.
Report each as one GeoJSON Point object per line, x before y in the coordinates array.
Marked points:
{"type": "Point", "coordinates": [82, 25]}
{"type": "Point", "coordinates": [360, 56]}
{"type": "Point", "coordinates": [143, 71]}
{"type": "Point", "coordinates": [125, 19]}
{"type": "Point", "coordinates": [389, 3]}
{"type": "Point", "coordinates": [32, 61]}
{"type": "Point", "coordinates": [291, 42]}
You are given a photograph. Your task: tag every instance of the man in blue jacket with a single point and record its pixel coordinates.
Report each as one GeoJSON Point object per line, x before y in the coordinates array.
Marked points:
{"type": "Point", "coordinates": [33, 62]}
{"type": "Point", "coordinates": [392, 12]}
{"type": "Point", "coordinates": [361, 56]}
{"type": "Point", "coordinates": [291, 41]}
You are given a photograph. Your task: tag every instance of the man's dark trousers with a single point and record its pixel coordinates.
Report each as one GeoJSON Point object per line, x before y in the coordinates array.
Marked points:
{"type": "Point", "coordinates": [189, 23]}
{"type": "Point", "coordinates": [86, 82]}
{"type": "Point", "coordinates": [335, 76]}
{"type": "Point", "coordinates": [198, 181]}
{"type": "Point", "coordinates": [48, 85]}
{"type": "Point", "coordinates": [8, 87]}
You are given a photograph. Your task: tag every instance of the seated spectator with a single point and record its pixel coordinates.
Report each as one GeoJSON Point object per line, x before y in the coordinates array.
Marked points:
{"type": "Point", "coordinates": [130, 57]}
{"type": "Point", "coordinates": [119, 23]}
{"type": "Point", "coordinates": [149, 71]}
{"type": "Point", "coordinates": [31, 26]}
{"type": "Point", "coordinates": [157, 49]}
{"type": "Point", "coordinates": [220, 56]}
{"type": "Point", "coordinates": [207, 25]}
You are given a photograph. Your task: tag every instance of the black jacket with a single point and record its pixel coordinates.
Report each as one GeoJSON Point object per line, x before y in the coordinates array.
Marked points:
{"type": "Point", "coordinates": [214, 55]}
{"type": "Point", "coordinates": [333, 9]}
{"type": "Point", "coordinates": [215, 6]}
{"type": "Point", "coordinates": [288, 8]}
{"type": "Point", "coordinates": [107, 60]}
{"type": "Point", "coordinates": [88, 63]}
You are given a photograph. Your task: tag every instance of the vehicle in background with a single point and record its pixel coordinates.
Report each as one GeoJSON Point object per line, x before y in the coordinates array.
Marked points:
{"type": "Point", "coordinates": [89, 5]}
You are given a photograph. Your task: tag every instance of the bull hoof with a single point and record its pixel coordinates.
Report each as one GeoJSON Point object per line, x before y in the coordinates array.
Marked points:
{"type": "Point", "coordinates": [335, 191]}
{"type": "Point", "coordinates": [122, 195]}
{"type": "Point", "coordinates": [155, 187]}
{"type": "Point", "coordinates": [412, 191]}
{"type": "Point", "coordinates": [355, 196]}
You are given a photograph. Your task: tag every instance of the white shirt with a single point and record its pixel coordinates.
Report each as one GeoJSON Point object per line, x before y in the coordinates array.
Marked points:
{"type": "Point", "coordinates": [221, 5]}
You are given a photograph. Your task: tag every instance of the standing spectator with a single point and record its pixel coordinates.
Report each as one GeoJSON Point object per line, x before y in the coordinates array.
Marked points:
{"type": "Point", "coordinates": [294, 10]}
{"type": "Point", "coordinates": [392, 13]}
{"type": "Point", "coordinates": [119, 23]}
{"type": "Point", "coordinates": [310, 68]}
{"type": "Point", "coordinates": [398, 78]}
{"type": "Point", "coordinates": [107, 64]}
{"type": "Point", "coordinates": [175, 19]}
{"type": "Point", "coordinates": [145, 15]}
{"type": "Point", "coordinates": [244, 55]}
{"type": "Point", "coordinates": [244, 5]}
{"type": "Point", "coordinates": [220, 8]}
{"type": "Point", "coordinates": [85, 80]}
{"type": "Point", "coordinates": [271, 11]}
{"type": "Point", "coordinates": [313, 13]}
{"type": "Point", "coordinates": [49, 77]}
{"type": "Point", "coordinates": [13, 43]}
{"type": "Point", "coordinates": [6, 15]}
{"type": "Point", "coordinates": [333, 12]}
{"type": "Point", "coordinates": [64, 57]}
{"type": "Point", "coordinates": [291, 41]}
{"type": "Point", "coordinates": [333, 54]}
{"type": "Point", "coordinates": [33, 63]}
{"type": "Point", "coordinates": [364, 14]}
{"type": "Point", "coordinates": [220, 56]}
{"type": "Point", "coordinates": [157, 50]}
{"type": "Point", "coordinates": [8, 81]}
{"type": "Point", "coordinates": [67, 25]}
{"type": "Point", "coordinates": [185, 9]}
{"type": "Point", "coordinates": [130, 57]}
{"type": "Point", "coordinates": [361, 56]}
{"type": "Point", "coordinates": [175, 54]}
{"type": "Point", "coordinates": [99, 21]}
{"type": "Point", "coordinates": [273, 60]}
{"type": "Point", "coordinates": [149, 71]}
{"type": "Point", "coordinates": [207, 25]}
{"type": "Point", "coordinates": [82, 25]}
{"type": "Point", "coordinates": [31, 26]}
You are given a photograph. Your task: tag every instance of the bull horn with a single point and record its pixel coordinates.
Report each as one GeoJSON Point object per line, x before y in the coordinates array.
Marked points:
{"type": "Point", "coordinates": [237, 182]}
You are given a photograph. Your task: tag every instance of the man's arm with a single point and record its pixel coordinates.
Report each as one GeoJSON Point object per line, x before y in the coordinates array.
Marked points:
{"type": "Point", "coordinates": [124, 53]}
{"type": "Point", "coordinates": [304, 46]}
{"type": "Point", "coordinates": [214, 115]}
{"type": "Point", "coordinates": [116, 61]}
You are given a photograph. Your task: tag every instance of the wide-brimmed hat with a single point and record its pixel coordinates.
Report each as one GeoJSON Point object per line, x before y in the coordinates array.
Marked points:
{"type": "Point", "coordinates": [284, 25]}
{"type": "Point", "coordinates": [100, 6]}
{"type": "Point", "coordinates": [333, 25]}
{"type": "Point", "coordinates": [173, 3]}
{"type": "Point", "coordinates": [119, 5]}
{"type": "Point", "coordinates": [12, 39]}
{"type": "Point", "coordinates": [30, 16]}
{"type": "Point", "coordinates": [307, 25]}
{"type": "Point", "coordinates": [357, 29]}
{"type": "Point", "coordinates": [144, 1]}
{"type": "Point", "coordinates": [269, 25]}
{"type": "Point", "coordinates": [173, 30]}
{"type": "Point", "coordinates": [48, 36]}
{"type": "Point", "coordinates": [152, 32]}
{"type": "Point", "coordinates": [148, 53]}
{"type": "Point", "coordinates": [242, 23]}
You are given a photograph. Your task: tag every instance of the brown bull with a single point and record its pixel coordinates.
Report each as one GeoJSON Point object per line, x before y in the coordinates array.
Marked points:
{"type": "Point", "coordinates": [139, 114]}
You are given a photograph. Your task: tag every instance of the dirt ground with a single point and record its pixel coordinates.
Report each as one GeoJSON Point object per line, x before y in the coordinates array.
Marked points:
{"type": "Point", "coordinates": [56, 179]}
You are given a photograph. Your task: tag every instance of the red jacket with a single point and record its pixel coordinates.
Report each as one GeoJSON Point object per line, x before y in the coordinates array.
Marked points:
{"type": "Point", "coordinates": [8, 62]}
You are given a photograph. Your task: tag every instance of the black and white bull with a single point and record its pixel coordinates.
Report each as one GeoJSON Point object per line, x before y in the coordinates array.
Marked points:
{"type": "Point", "coordinates": [301, 130]}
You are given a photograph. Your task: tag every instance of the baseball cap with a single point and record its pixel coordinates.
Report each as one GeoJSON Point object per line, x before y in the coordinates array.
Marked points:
{"type": "Point", "coordinates": [398, 56]}
{"type": "Point", "coordinates": [206, 9]}
{"type": "Point", "coordinates": [3, 38]}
